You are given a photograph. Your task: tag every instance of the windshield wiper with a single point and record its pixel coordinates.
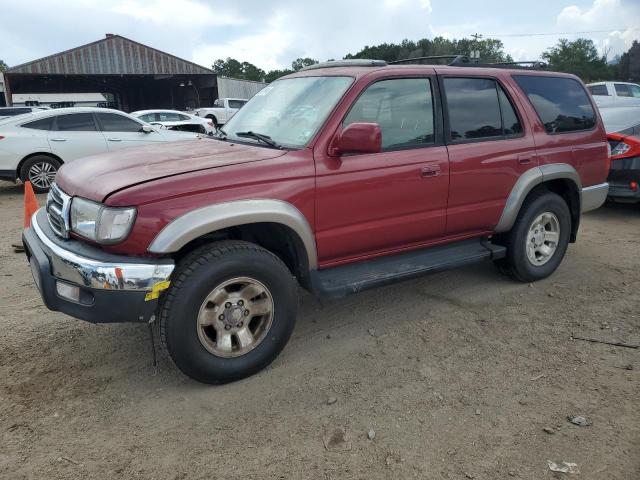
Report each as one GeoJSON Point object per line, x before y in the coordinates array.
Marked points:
{"type": "Point", "coordinates": [261, 137]}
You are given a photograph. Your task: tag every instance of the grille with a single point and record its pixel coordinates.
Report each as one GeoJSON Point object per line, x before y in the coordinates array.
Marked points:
{"type": "Point", "coordinates": [58, 204]}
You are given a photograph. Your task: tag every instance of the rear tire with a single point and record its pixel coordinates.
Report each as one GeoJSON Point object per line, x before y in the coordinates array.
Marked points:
{"type": "Point", "coordinates": [229, 311]}
{"type": "Point", "coordinates": [41, 171]}
{"type": "Point", "coordinates": [539, 238]}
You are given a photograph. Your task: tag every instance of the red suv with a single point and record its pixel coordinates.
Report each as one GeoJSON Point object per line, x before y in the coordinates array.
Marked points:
{"type": "Point", "coordinates": [338, 178]}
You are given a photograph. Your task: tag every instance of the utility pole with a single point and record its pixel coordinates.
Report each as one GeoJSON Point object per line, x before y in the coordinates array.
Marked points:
{"type": "Point", "coordinates": [475, 53]}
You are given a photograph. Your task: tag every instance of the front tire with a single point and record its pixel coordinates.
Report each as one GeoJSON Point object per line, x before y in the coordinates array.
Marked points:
{"type": "Point", "coordinates": [539, 238]}
{"type": "Point", "coordinates": [41, 171]}
{"type": "Point", "coordinates": [229, 311]}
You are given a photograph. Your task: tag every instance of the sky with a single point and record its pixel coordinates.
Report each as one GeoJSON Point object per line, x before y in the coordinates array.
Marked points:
{"type": "Point", "coordinates": [270, 34]}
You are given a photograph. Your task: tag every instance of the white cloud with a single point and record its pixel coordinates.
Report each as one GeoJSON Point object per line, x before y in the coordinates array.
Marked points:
{"type": "Point", "coordinates": [183, 13]}
{"type": "Point", "coordinates": [603, 14]}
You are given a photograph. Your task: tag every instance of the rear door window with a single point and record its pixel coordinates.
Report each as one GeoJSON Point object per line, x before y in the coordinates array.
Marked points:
{"type": "Point", "coordinates": [76, 122]}
{"type": "Point", "coordinates": [562, 104]}
{"type": "Point", "coordinates": [478, 108]}
{"type": "Point", "coordinates": [598, 90]}
{"type": "Point", "coordinates": [236, 103]}
{"type": "Point", "coordinates": [169, 117]}
{"type": "Point", "coordinates": [112, 122]}
{"type": "Point", "coordinates": [42, 124]}
{"type": "Point", "coordinates": [402, 107]}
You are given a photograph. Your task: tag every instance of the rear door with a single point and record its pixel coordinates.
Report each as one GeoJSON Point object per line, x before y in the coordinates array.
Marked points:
{"type": "Point", "coordinates": [75, 135]}
{"type": "Point", "coordinates": [121, 131]}
{"type": "Point", "coordinates": [490, 146]}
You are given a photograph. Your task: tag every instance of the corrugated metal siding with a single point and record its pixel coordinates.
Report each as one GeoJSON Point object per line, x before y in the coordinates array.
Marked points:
{"type": "Point", "coordinates": [234, 88]}
{"type": "Point", "coordinates": [114, 55]}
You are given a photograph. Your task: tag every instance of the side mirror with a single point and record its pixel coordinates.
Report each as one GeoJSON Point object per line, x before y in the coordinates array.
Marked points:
{"type": "Point", "coordinates": [357, 138]}
{"type": "Point", "coordinates": [147, 129]}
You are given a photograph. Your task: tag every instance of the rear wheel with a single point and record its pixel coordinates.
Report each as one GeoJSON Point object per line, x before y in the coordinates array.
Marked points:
{"type": "Point", "coordinates": [539, 238]}
{"type": "Point", "coordinates": [229, 311]}
{"type": "Point", "coordinates": [41, 171]}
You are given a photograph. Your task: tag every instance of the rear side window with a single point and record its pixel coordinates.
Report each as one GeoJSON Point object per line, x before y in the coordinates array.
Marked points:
{"type": "Point", "coordinates": [561, 103]}
{"type": "Point", "coordinates": [112, 122]}
{"type": "Point", "coordinates": [75, 122]}
{"type": "Point", "coordinates": [598, 90]}
{"type": "Point", "coordinates": [169, 117]}
{"type": "Point", "coordinates": [402, 107]}
{"type": "Point", "coordinates": [42, 124]}
{"type": "Point", "coordinates": [478, 108]}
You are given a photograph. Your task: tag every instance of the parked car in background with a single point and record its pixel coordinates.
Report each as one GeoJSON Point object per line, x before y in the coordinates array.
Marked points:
{"type": "Point", "coordinates": [370, 174]}
{"type": "Point", "coordinates": [223, 109]}
{"type": "Point", "coordinates": [624, 174]}
{"type": "Point", "coordinates": [34, 145]}
{"type": "Point", "coordinates": [175, 120]}
{"type": "Point", "coordinates": [14, 111]}
{"type": "Point", "coordinates": [615, 94]}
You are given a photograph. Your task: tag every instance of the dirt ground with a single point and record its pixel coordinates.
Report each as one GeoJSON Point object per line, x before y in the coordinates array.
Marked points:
{"type": "Point", "coordinates": [458, 374]}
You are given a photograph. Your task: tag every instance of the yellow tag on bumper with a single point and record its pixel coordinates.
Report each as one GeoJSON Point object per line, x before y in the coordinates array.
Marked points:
{"type": "Point", "coordinates": [156, 289]}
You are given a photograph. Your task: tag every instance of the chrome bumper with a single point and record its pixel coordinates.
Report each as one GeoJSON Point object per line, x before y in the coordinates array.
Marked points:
{"type": "Point", "coordinates": [101, 274]}
{"type": "Point", "coordinates": [594, 196]}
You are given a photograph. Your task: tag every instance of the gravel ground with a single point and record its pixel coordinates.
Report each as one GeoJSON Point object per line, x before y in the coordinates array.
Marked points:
{"type": "Point", "coordinates": [459, 375]}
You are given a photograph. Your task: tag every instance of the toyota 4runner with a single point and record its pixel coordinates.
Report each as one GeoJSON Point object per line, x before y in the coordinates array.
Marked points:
{"type": "Point", "coordinates": [338, 178]}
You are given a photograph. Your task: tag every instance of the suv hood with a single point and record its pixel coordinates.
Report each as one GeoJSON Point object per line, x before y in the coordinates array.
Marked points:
{"type": "Point", "coordinates": [98, 176]}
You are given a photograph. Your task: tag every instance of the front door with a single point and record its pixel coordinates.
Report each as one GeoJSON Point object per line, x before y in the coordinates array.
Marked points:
{"type": "Point", "coordinates": [370, 204]}
{"type": "Point", "coordinates": [122, 132]}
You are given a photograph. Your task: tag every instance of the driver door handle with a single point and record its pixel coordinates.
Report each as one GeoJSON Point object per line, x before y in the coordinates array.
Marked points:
{"type": "Point", "coordinates": [58, 139]}
{"type": "Point", "coordinates": [430, 171]}
{"type": "Point", "coordinates": [114, 139]}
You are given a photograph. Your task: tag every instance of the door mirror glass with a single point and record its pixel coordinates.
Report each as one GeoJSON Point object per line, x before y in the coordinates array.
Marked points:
{"type": "Point", "coordinates": [357, 138]}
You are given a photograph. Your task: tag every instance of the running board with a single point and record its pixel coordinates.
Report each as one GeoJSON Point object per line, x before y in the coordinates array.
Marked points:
{"type": "Point", "coordinates": [344, 280]}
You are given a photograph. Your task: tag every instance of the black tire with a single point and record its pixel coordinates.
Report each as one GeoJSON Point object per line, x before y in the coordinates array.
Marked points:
{"type": "Point", "coordinates": [216, 125]}
{"type": "Point", "coordinates": [517, 263]}
{"type": "Point", "coordinates": [194, 279]}
{"type": "Point", "coordinates": [48, 166]}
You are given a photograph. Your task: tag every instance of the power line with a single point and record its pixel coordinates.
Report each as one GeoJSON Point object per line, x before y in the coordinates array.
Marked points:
{"type": "Point", "coordinates": [554, 33]}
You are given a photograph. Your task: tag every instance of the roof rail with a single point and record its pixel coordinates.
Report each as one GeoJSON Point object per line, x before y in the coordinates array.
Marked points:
{"type": "Point", "coordinates": [355, 62]}
{"type": "Point", "coordinates": [457, 60]}
{"type": "Point", "coordinates": [526, 65]}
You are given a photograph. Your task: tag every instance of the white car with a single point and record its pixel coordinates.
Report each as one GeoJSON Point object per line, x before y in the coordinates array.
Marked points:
{"type": "Point", "coordinates": [223, 109]}
{"type": "Point", "coordinates": [175, 120]}
{"type": "Point", "coordinates": [615, 94]}
{"type": "Point", "coordinates": [616, 119]}
{"type": "Point", "coordinates": [34, 145]}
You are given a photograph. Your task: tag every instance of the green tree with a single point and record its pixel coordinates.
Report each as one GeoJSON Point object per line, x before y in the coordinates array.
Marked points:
{"type": "Point", "coordinates": [628, 64]}
{"type": "Point", "coordinates": [276, 74]}
{"type": "Point", "coordinates": [300, 63]}
{"type": "Point", "coordinates": [491, 49]}
{"type": "Point", "coordinates": [579, 57]}
{"type": "Point", "coordinates": [235, 69]}
{"type": "Point", "coordinates": [3, 66]}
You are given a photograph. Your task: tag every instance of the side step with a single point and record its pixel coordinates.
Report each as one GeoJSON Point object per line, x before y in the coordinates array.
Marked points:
{"type": "Point", "coordinates": [344, 280]}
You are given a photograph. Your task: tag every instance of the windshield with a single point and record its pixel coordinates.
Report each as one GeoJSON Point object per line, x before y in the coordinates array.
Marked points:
{"type": "Point", "coordinates": [290, 111]}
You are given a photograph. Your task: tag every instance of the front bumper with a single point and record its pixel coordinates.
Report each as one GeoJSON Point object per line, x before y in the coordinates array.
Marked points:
{"type": "Point", "coordinates": [112, 288]}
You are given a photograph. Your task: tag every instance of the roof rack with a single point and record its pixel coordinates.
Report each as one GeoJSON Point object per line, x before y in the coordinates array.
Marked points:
{"type": "Point", "coordinates": [526, 65]}
{"type": "Point", "coordinates": [355, 62]}
{"type": "Point", "coordinates": [464, 61]}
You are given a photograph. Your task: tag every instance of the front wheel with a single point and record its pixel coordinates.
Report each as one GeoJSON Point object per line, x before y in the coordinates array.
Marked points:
{"type": "Point", "coordinates": [229, 311]}
{"type": "Point", "coordinates": [538, 241]}
{"type": "Point", "coordinates": [41, 171]}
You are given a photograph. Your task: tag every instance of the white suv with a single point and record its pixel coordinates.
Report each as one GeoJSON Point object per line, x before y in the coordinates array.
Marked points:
{"type": "Point", "coordinates": [34, 145]}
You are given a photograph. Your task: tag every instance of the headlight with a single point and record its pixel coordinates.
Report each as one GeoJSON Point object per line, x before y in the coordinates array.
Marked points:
{"type": "Point", "coordinates": [99, 223]}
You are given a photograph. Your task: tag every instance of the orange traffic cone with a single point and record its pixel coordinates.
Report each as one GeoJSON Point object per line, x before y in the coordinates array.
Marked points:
{"type": "Point", "coordinates": [30, 204]}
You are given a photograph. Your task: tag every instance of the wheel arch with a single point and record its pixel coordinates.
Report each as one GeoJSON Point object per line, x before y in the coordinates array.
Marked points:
{"type": "Point", "coordinates": [275, 225]}
{"type": "Point", "coordinates": [560, 178]}
{"type": "Point", "coordinates": [35, 154]}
